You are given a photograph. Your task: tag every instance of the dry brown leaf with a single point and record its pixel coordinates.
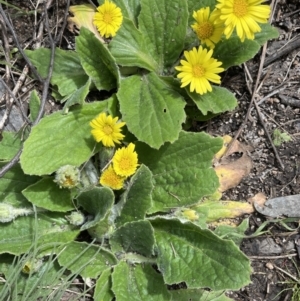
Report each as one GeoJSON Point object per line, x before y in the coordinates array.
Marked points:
{"type": "Point", "coordinates": [260, 199]}
{"type": "Point", "coordinates": [83, 16]}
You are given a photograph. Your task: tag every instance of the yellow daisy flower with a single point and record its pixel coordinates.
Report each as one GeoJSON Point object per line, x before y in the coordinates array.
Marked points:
{"type": "Point", "coordinates": [107, 130]}
{"type": "Point", "coordinates": [108, 19]}
{"type": "Point", "coordinates": [199, 70]}
{"type": "Point", "coordinates": [244, 15]}
{"type": "Point", "coordinates": [110, 179]}
{"type": "Point", "coordinates": [208, 31]}
{"type": "Point", "coordinates": [125, 161]}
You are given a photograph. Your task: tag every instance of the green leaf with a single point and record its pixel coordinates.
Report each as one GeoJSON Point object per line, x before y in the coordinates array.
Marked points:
{"type": "Point", "coordinates": [51, 229]}
{"type": "Point", "coordinates": [103, 287]}
{"type": "Point", "coordinates": [280, 137]}
{"type": "Point", "coordinates": [218, 101]}
{"type": "Point", "coordinates": [9, 145]}
{"type": "Point", "coordinates": [136, 237]}
{"type": "Point", "coordinates": [130, 9]}
{"type": "Point", "coordinates": [163, 24]}
{"type": "Point", "coordinates": [221, 264]}
{"type": "Point", "coordinates": [78, 96]}
{"type": "Point", "coordinates": [60, 140]}
{"type": "Point", "coordinates": [130, 49]}
{"type": "Point", "coordinates": [197, 295]}
{"type": "Point", "coordinates": [153, 112]}
{"type": "Point", "coordinates": [12, 183]}
{"type": "Point", "coordinates": [97, 61]}
{"type": "Point", "coordinates": [46, 194]}
{"type": "Point", "coordinates": [137, 197]}
{"type": "Point", "coordinates": [98, 202]}
{"type": "Point", "coordinates": [136, 283]}
{"type": "Point", "coordinates": [233, 52]}
{"type": "Point", "coordinates": [268, 32]}
{"type": "Point", "coordinates": [34, 104]}
{"type": "Point", "coordinates": [86, 259]}
{"type": "Point", "coordinates": [68, 73]}
{"type": "Point", "coordinates": [182, 171]}
{"type": "Point", "coordinates": [236, 234]}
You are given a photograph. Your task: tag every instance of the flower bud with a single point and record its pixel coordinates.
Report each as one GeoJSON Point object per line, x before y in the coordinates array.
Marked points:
{"type": "Point", "coordinates": [67, 176]}
{"type": "Point", "coordinates": [76, 218]}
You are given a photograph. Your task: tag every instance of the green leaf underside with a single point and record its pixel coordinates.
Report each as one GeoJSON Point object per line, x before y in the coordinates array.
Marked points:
{"type": "Point", "coordinates": [97, 61]}
{"type": "Point", "coordinates": [86, 259]}
{"type": "Point", "coordinates": [182, 171]}
{"type": "Point", "coordinates": [34, 105]}
{"type": "Point", "coordinates": [78, 96]}
{"type": "Point", "coordinates": [130, 49]}
{"type": "Point", "coordinates": [198, 257]}
{"type": "Point", "coordinates": [12, 183]}
{"type": "Point", "coordinates": [9, 145]}
{"type": "Point", "coordinates": [103, 287]}
{"type": "Point", "coordinates": [45, 142]}
{"type": "Point", "coordinates": [152, 111]}
{"type": "Point", "coordinates": [267, 32]}
{"type": "Point", "coordinates": [97, 202]}
{"type": "Point", "coordinates": [163, 24]}
{"type": "Point", "coordinates": [68, 73]}
{"type": "Point", "coordinates": [51, 229]}
{"type": "Point", "coordinates": [197, 295]}
{"type": "Point", "coordinates": [218, 101]}
{"type": "Point", "coordinates": [129, 8]}
{"type": "Point", "coordinates": [233, 52]}
{"type": "Point", "coordinates": [136, 283]}
{"type": "Point", "coordinates": [136, 237]}
{"type": "Point", "coordinates": [137, 197]}
{"type": "Point", "coordinates": [46, 194]}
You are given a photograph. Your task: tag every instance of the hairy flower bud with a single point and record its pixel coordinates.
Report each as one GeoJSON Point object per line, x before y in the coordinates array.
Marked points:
{"type": "Point", "coordinates": [67, 176]}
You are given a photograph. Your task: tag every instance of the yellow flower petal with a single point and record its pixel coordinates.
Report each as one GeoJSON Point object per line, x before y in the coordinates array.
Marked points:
{"type": "Point", "coordinates": [125, 161]}
{"type": "Point", "coordinates": [244, 16]}
{"type": "Point", "coordinates": [108, 19]}
{"type": "Point", "coordinates": [110, 179]}
{"type": "Point", "coordinates": [105, 129]}
{"type": "Point", "coordinates": [199, 69]}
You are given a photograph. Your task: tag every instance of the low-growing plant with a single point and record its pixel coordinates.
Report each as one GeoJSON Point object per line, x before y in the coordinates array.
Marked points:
{"type": "Point", "coordinates": [121, 168]}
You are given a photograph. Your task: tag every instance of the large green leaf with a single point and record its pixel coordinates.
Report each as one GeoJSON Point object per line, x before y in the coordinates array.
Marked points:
{"type": "Point", "coordinates": [268, 32]}
{"type": "Point", "coordinates": [97, 61]}
{"type": "Point", "coordinates": [98, 202]}
{"type": "Point", "coordinates": [60, 140]}
{"type": "Point", "coordinates": [51, 229]}
{"type": "Point", "coordinates": [163, 24]}
{"type": "Point", "coordinates": [136, 283]}
{"type": "Point", "coordinates": [12, 184]}
{"type": "Point", "coordinates": [68, 73]}
{"type": "Point", "coordinates": [153, 112]}
{"type": "Point", "coordinates": [88, 260]}
{"type": "Point", "coordinates": [233, 52]}
{"type": "Point", "coordinates": [129, 8]}
{"type": "Point", "coordinates": [135, 237]}
{"type": "Point", "coordinates": [103, 287]}
{"type": "Point", "coordinates": [47, 194]}
{"type": "Point", "coordinates": [130, 49]}
{"type": "Point", "coordinates": [197, 295]}
{"type": "Point", "coordinates": [9, 145]}
{"type": "Point", "coordinates": [198, 257]}
{"type": "Point", "coordinates": [137, 197]}
{"type": "Point", "coordinates": [182, 171]}
{"type": "Point", "coordinates": [218, 101]}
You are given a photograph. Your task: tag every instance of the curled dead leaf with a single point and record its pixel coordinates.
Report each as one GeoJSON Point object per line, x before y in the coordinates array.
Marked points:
{"type": "Point", "coordinates": [83, 16]}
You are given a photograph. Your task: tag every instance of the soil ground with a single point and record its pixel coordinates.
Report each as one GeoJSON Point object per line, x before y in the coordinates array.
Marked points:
{"type": "Point", "coordinates": [273, 255]}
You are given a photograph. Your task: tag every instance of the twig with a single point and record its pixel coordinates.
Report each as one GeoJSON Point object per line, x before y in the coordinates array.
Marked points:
{"type": "Point", "coordinates": [273, 257]}
{"type": "Point", "coordinates": [289, 47]}
{"type": "Point", "coordinates": [9, 25]}
{"type": "Point", "coordinates": [271, 94]}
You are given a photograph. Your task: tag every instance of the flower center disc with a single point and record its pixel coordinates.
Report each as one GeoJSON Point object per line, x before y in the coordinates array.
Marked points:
{"type": "Point", "coordinates": [125, 164]}
{"type": "Point", "coordinates": [107, 18]}
{"type": "Point", "coordinates": [198, 71]}
{"type": "Point", "coordinates": [205, 30]}
{"type": "Point", "coordinates": [240, 8]}
{"type": "Point", "coordinates": [107, 129]}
